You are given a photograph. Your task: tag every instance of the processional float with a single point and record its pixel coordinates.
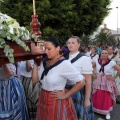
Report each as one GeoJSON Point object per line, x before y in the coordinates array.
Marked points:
{"type": "Point", "coordinates": [19, 52]}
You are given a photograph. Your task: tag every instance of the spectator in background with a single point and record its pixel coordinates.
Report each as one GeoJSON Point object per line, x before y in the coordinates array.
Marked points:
{"type": "Point", "coordinates": [99, 50]}
{"type": "Point", "coordinates": [117, 48]}
{"type": "Point", "coordinates": [82, 51]}
{"type": "Point", "coordinates": [113, 56]}
{"type": "Point", "coordinates": [93, 54]}
{"type": "Point", "coordinates": [88, 52]}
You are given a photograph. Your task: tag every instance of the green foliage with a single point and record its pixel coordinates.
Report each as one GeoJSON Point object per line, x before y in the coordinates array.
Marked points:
{"type": "Point", "coordinates": [85, 40]}
{"type": "Point", "coordinates": [104, 39]}
{"type": "Point", "coordinates": [11, 31]}
{"type": "Point", "coordinates": [61, 18]}
{"type": "Point", "coordinates": [4, 33]}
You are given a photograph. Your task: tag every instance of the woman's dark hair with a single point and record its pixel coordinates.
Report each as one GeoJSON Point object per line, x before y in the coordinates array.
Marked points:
{"type": "Point", "coordinates": [82, 50]}
{"type": "Point", "coordinates": [55, 41]}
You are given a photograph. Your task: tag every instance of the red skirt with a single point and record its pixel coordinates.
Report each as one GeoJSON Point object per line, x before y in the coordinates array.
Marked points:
{"type": "Point", "coordinates": [102, 102]}
{"type": "Point", "coordinates": [50, 108]}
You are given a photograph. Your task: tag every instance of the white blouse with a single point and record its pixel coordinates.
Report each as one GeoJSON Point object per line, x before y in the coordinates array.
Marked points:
{"type": "Point", "coordinates": [12, 68]}
{"type": "Point", "coordinates": [83, 65]}
{"type": "Point", "coordinates": [116, 59]}
{"type": "Point", "coordinates": [23, 70]}
{"type": "Point", "coordinates": [57, 77]}
{"type": "Point", "coordinates": [108, 69]}
{"type": "Point", "coordinates": [95, 57]}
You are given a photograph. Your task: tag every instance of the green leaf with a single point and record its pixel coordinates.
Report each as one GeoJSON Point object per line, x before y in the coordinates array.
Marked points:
{"type": "Point", "coordinates": [10, 55]}
{"type": "Point", "coordinates": [3, 34]}
{"type": "Point", "coordinates": [11, 59]}
{"type": "Point", "coordinates": [11, 50]}
{"type": "Point", "coordinates": [1, 46]}
{"type": "Point", "coordinates": [7, 47]}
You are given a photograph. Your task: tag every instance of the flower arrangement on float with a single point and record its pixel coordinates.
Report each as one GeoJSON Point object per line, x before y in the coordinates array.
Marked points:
{"type": "Point", "coordinates": [16, 43]}
{"type": "Point", "coordinates": [10, 30]}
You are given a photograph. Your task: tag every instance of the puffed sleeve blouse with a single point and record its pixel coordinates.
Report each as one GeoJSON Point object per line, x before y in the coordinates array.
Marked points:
{"type": "Point", "coordinates": [57, 77]}
{"type": "Point", "coordinates": [83, 64]}
{"type": "Point", "coordinates": [12, 68]}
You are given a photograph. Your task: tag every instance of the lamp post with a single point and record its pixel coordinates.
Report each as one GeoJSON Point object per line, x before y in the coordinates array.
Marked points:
{"type": "Point", "coordinates": [117, 26]}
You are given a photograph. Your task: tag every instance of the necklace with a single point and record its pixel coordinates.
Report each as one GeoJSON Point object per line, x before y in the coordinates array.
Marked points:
{"type": "Point", "coordinates": [49, 63]}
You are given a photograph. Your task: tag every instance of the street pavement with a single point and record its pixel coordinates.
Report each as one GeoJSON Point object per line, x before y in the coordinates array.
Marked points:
{"type": "Point", "coordinates": [115, 114]}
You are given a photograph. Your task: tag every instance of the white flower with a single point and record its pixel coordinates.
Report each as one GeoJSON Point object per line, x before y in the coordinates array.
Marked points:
{"type": "Point", "coordinates": [1, 1]}
{"type": "Point", "coordinates": [4, 18]}
{"type": "Point", "coordinates": [11, 30]}
{"type": "Point", "coordinates": [14, 27]}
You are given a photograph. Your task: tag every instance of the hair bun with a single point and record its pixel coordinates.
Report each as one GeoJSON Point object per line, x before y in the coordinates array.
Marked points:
{"type": "Point", "coordinates": [56, 41]}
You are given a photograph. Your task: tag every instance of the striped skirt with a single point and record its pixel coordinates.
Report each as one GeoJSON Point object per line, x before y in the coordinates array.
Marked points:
{"type": "Point", "coordinates": [32, 92]}
{"type": "Point", "coordinates": [50, 108]}
{"type": "Point", "coordinates": [12, 100]}
{"type": "Point", "coordinates": [78, 100]}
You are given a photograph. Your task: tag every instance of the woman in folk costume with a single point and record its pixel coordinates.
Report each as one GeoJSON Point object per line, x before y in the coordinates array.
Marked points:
{"type": "Point", "coordinates": [12, 97]}
{"type": "Point", "coordinates": [93, 54]}
{"type": "Point", "coordinates": [104, 86]}
{"type": "Point", "coordinates": [31, 90]}
{"type": "Point", "coordinates": [82, 98]}
{"type": "Point", "coordinates": [113, 56]}
{"type": "Point", "coordinates": [55, 102]}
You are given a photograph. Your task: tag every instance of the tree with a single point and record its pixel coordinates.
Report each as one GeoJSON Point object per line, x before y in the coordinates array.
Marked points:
{"type": "Point", "coordinates": [61, 18]}
{"type": "Point", "coordinates": [85, 40]}
{"type": "Point", "coordinates": [104, 40]}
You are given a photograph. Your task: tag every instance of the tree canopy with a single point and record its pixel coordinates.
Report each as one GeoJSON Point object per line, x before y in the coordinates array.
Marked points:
{"type": "Point", "coordinates": [104, 39]}
{"type": "Point", "coordinates": [61, 18]}
{"type": "Point", "coordinates": [86, 40]}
